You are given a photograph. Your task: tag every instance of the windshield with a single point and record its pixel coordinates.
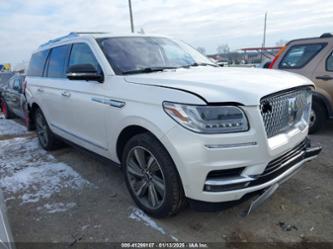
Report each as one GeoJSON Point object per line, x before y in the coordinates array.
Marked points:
{"type": "Point", "coordinates": [148, 54]}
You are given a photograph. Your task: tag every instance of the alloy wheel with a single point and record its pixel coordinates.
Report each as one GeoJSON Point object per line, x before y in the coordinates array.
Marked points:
{"type": "Point", "coordinates": [145, 177]}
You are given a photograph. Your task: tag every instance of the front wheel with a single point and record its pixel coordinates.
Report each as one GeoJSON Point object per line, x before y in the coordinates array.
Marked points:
{"type": "Point", "coordinates": [151, 176]}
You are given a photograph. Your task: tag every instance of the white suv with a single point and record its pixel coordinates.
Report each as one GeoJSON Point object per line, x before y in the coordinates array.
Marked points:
{"type": "Point", "coordinates": [181, 127]}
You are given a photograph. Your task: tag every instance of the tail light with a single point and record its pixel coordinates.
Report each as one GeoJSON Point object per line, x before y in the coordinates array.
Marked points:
{"type": "Point", "coordinates": [277, 57]}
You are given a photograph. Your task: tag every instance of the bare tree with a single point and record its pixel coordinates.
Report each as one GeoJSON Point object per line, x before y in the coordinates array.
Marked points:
{"type": "Point", "coordinates": [223, 49]}
{"type": "Point", "coordinates": [201, 50]}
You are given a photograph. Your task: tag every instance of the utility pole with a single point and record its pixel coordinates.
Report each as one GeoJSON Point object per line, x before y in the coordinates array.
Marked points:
{"type": "Point", "coordinates": [264, 38]}
{"type": "Point", "coordinates": [131, 15]}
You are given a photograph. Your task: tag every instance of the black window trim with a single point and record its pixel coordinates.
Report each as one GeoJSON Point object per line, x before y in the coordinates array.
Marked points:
{"type": "Point", "coordinates": [47, 63]}
{"type": "Point", "coordinates": [330, 54]}
{"type": "Point", "coordinates": [302, 44]}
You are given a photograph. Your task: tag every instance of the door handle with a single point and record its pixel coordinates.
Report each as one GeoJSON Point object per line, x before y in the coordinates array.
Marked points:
{"type": "Point", "coordinates": [66, 94]}
{"type": "Point", "coordinates": [40, 90]}
{"type": "Point", "coordinates": [324, 77]}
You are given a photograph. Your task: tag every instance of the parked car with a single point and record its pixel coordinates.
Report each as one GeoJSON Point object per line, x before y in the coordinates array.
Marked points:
{"type": "Point", "coordinates": [313, 58]}
{"type": "Point", "coordinates": [6, 239]}
{"type": "Point", "coordinates": [13, 100]}
{"type": "Point", "coordinates": [181, 127]}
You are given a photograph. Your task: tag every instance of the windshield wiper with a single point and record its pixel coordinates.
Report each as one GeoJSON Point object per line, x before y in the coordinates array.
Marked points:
{"type": "Point", "coordinates": [195, 64]}
{"type": "Point", "coordinates": [148, 70]}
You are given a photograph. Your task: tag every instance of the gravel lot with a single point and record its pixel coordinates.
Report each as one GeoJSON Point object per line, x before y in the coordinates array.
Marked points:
{"type": "Point", "coordinates": [69, 196]}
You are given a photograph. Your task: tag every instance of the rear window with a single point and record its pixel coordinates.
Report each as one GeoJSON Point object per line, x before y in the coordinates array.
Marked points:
{"type": "Point", "coordinates": [37, 62]}
{"type": "Point", "coordinates": [57, 62]}
{"type": "Point", "coordinates": [299, 55]}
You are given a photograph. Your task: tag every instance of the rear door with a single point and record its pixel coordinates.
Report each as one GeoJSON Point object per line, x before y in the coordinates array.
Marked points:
{"type": "Point", "coordinates": [10, 95]}
{"type": "Point", "coordinates": [16, 97]}
{"type": "Point", "coordinates": [53, 84]}
{"type": "Point", "coordinates": [83, 118]}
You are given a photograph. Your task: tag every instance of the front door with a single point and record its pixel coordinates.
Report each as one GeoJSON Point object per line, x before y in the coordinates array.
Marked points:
{"type": "Point", "coordinates": [83, 117]}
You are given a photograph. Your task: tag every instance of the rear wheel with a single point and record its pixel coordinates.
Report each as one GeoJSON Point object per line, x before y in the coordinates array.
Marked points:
{"type": "Point", "coordinates": [5, 110]}
{"type": "Point", "coordinates": [317, 117]}
{"type": "Point", "coordinates": [45, 136]}
{"type": "Point", "coordinates": [151, 176]}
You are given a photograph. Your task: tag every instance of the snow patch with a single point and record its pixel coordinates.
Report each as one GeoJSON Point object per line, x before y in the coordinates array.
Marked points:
{"type": "Point", "coordinates": [34, 183]}
{"type": "Point", "coordinates": [10, 127]}
{"type": "Point", "coordinates": [139, 215]}
{"type": "Point", "coordinates": [19, 153]}
{"type": "Point", "coordinates": [57, 207]}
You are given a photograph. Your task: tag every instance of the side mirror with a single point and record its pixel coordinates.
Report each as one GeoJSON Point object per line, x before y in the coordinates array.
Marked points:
{"type": "Point", "coordinates": [84, 72]}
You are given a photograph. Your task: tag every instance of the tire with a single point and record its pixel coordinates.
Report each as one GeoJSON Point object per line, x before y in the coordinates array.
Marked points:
{"type": "Point", "coordinates": [317, 118]}
{"type": "Point", "coordinates": [45, 136]}
{"type": "Point", "coordinates": [5, 110]}
{"type": "Point", "coordinates": [161, 174]}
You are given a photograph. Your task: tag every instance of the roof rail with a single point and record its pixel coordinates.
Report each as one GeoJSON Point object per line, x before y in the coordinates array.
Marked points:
{"type": "Point", "coordinates": [70, 35]}
{"type": "Point", "coordinates": [92, 33]}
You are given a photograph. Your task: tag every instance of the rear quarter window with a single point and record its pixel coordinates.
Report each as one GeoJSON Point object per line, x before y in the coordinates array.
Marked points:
{"type": "Point", "coordinates": [298, 56]}
{"type": "Point", "coordinates": [37, 63]}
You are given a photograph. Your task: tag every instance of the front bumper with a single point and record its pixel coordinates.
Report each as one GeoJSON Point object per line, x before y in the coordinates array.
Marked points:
{"type": "Point", "coordinates": [276, 171]}
{"type": "Point", "coordinates": [249, 152]}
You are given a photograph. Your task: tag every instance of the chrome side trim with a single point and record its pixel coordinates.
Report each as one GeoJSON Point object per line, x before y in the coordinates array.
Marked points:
{"type": "Point", "coordinates": [225, 146]}
{"type": "Point", "coordinates": [228, 181]}
{"type": "Point", "coordinates": [78, 137]}
{"type": "Point", "coordinates": [110, 102]}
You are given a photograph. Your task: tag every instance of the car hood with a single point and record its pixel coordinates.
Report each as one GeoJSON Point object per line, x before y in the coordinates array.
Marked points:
{"type": "Point", "coordinates": [216, 85]}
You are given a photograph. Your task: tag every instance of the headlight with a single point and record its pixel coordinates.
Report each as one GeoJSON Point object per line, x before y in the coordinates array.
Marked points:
{"type": "Point", "coordinates": [307, 107]}
{"type": "Point", "coordinates": [208, 119]}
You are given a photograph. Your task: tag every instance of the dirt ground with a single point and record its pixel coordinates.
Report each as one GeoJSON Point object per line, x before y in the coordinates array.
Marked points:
{"type": "Point", "coordinates": [70, 196]}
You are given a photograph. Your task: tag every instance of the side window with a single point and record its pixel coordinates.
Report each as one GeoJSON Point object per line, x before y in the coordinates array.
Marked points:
{"type": "Point", "coordinates": [57, 62]}
{"type": "Point", "coordinates": [329, 63]}
{"type": "Point", "coordinates": [11, 83]}
{"type": "Point", "coordinates": [82, 54]}
{"type": "Point", "coordinates": [299, 55]}
{"type": "Point", "coordinates": [37, 63]}
{"type": "Point", "coordinates": [17, 85]}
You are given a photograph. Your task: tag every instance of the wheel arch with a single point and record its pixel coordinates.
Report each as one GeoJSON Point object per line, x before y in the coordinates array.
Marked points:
{"type": "Point", "coordinates": [31, 113]}
{"type": "Point", "coordinates": [127, 133]}
{"type": "Point", "coordinates": [322, 100]}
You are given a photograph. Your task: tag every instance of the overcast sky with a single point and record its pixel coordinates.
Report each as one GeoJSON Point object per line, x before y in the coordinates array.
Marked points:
{"type": "Point", "coordinates": [25, 24]}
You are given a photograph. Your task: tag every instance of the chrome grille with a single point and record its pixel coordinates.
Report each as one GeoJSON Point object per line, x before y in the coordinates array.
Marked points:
{"type": "Point", "coordinates": [282, 111]}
